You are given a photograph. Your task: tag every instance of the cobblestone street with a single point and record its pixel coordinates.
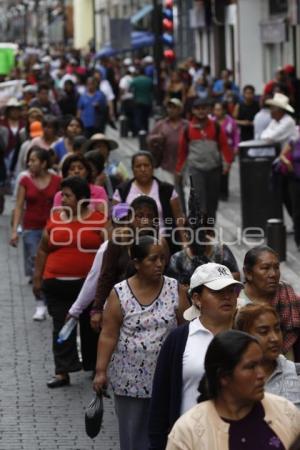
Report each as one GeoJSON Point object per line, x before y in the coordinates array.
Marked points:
{"type": "Point", "coordinates": [32, 417]}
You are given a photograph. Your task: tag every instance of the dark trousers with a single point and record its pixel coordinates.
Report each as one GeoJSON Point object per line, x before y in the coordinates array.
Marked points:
{"type": "Point", "coordinates": [100, 128]}
{"type": "Point", "coordinates": [206, 186]}
{"type": "Point", "coordinates": [60, 296]}
{"type": "Point", "coordinates": [127, 109]}
{"type": "Point", "coordinates": [286, 194]}
{"type": "Point", "coordinates": [89, 341]}
{"type": "Point", "coordinates": [224, 186]}
{"type": "Point", "coordinates": [296, 349]}
{"type": "Point", "coordinates": [133, 418]}
{"type": "Point", "coordinates": [294, 193]}
{"type": "Point", "coordinates": [89, 131]}
{"type": "Point", "coordinates": [141, 116]}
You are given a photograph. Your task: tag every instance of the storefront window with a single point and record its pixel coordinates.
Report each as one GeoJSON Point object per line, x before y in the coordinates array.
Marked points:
{"type": "Point", "coordinates": [278, 7]}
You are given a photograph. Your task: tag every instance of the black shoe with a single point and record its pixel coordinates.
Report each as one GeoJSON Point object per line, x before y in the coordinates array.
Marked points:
{"type": "Point", "coordinates": [58, 382]}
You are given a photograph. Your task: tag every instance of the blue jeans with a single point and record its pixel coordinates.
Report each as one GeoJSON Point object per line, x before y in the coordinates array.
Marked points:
{"type": "Point", "coordinates": [31, 240]}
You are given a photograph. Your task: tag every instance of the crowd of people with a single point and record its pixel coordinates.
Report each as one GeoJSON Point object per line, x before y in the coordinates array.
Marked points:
{"type": "Point", "coordinates": [199, 353]}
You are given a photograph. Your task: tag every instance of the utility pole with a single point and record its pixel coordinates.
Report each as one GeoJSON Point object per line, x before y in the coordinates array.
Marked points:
{"type": "Point", "coordinates": [157, 18]}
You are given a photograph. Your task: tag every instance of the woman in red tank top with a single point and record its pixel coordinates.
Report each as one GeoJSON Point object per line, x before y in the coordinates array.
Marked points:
{"type": "Point", "coordinates": [35, 195]}
{"type": "Point", "coordinates": [69, 243]}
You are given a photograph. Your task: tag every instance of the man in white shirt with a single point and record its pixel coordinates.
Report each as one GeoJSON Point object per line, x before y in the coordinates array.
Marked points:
{"type": "Point", "coordinates": [261, 121]}
{"type": "Point", "coordinates": [105, 87]}
{"type": "Point", "coordinates": [282, 127]}
{"type": "Point", "coordinates": [126, 97]}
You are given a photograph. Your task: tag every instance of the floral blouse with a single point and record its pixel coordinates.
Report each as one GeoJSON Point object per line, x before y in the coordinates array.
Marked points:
{"type": "Point", "coordinates": [142, 334]}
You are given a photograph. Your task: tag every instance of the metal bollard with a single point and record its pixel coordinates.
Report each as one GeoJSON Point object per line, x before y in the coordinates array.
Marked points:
{"type": "Point", "coordinates": [123, 127]}
{"type": "Point", "coordinates": [143, 140]}
{"type": "Point", "coordinates": [276, 237]}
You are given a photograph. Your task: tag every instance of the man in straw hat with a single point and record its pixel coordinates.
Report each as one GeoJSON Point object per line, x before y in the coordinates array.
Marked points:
{"type": "Point", "coordinates": [101, 143]}
{"type": "Point", "coordinates": [282, 127]}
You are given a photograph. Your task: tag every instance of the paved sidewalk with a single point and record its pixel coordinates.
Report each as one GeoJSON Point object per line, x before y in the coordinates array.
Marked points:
{"type": "Point", "coordinates": [32, 417]}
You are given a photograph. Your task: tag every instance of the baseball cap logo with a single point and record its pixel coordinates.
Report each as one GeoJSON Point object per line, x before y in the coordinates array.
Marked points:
{"type": "Point", "coordinates": [222, 271]}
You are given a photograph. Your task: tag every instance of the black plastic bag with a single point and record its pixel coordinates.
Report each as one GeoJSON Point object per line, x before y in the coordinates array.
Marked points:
{"type": "Point", "coordinates": [94, 416]}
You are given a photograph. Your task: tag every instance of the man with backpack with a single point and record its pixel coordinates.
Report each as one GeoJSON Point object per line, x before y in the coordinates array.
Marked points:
{"type": "Point", "coordinates": [203, 154]}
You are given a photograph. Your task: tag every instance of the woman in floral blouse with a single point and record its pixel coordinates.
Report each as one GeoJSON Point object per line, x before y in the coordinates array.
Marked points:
{"type": "Point", "coordinates": [139, 314]}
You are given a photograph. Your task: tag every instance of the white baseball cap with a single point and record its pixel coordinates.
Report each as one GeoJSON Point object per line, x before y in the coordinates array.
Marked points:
{"type": "Point", "coordinates": [131, 69]}
{"type": "Point", "coordinates": [148, 59]}
{"type": "Point", "coordinates": [127, 62]}
{"type": "Point", "coordinates": [212, 275]}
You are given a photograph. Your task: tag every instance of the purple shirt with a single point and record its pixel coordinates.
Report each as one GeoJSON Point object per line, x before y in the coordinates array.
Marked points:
{"type": "Point", "coordinates": [231, 130]}
{"type": "Point", "coordinates": [252, 432]}
{"type": "Point", "coordinates": [229, 126]}
{"type": "Point", "coordinates": [295, 157]}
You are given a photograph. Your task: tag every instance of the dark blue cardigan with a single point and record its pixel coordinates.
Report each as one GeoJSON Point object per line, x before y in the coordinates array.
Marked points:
{"type": "Point", "coordinates": [167, 387]}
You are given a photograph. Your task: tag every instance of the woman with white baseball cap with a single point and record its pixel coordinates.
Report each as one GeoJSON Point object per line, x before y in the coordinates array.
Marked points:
{"type": "Point", "coordinates": [180, 366]}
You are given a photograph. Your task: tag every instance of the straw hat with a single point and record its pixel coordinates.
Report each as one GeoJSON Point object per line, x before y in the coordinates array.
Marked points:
{"type": "Point", "coordinates": [175, 102]}
{"type": "Point", "coordinates": [99, 137]}
{"type": "Point", "coordinates": [13, 103]}
{"type": "Point", "coordinates": [281, 101]}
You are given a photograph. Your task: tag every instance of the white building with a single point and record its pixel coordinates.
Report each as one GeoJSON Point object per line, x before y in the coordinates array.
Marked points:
{"type": "Point", "coordinates": [251, 37]}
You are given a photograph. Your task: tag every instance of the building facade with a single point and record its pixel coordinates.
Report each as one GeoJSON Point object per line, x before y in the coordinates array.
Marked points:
{"type": "Point", "coordinates": [251, 37]}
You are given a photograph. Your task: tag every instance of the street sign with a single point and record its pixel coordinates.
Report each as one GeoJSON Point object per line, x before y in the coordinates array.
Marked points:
{"type": "Point", "coordinates": [273, 31]}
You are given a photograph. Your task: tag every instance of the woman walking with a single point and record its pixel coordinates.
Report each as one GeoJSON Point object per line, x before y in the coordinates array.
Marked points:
{"type": "Point", "coordinates": [139, 314]}
{"type": "Point", "coordinates": [73, 127]}
{"type": "Point", "coordinates": [230, 129]}
{"type": "Point", "coordinates": [145, 183]}
{"type": "Point", "coordinates": [234, 412]}
{"type": "Point", "coordinates": [263, 322]}
{"type": "Point", "coordinates": [263, 285]}
{"type": "Point", "coordinates": [65, 255]}
{"type": "Point", "coordinates": [77, 166]}
{"type": "Point", "coordinates": [35, 195]}
{"type": "Point", "coordinates": [180, 366]}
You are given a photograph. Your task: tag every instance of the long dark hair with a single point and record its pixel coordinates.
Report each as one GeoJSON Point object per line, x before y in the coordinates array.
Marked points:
{"type": "Point", "coordinates": [42, 154]}
{"type": "Point", "coordinates": [222, 356]}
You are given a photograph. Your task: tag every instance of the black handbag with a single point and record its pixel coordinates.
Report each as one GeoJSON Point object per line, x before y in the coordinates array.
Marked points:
{"type": "Point", "coordinates": [94, 416]}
